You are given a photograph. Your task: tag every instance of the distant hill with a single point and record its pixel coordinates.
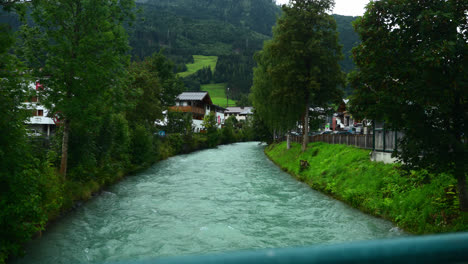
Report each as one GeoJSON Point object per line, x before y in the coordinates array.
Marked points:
{"type": "Point", "coordinates": [233, 30]}
{"type": "Point", "coordinates": [204, 27]}
{"type": "Point", "coordinates": [348, 38]}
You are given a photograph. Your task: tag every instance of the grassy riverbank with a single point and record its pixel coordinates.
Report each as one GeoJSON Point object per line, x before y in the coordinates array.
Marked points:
{"type": "Point", "coordinates": [418, 201]}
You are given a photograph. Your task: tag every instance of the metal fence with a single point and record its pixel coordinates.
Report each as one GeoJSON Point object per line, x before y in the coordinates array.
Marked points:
{"type": "Point", "coordinates": [449, 248]}
{"type": "Point", "coordinates": [380, 140]}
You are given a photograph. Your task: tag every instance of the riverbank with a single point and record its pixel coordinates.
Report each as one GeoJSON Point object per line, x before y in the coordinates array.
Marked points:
{"type": "Point", "coordinates": [418, 202]}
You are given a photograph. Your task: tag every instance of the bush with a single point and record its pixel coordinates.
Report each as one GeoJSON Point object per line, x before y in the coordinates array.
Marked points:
{"type": "Point", "coordinates": [141, 145]}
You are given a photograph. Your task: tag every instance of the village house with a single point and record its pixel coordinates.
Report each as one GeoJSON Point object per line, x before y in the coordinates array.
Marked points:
{"type": "Point", "coordinates": [343, 121]}
{"type": "Point", "coordinates": [199, 104]}
{"type": "Point", "coordinates": [40, 123]}
{"type": "Point", "coordinates": [240, 113]}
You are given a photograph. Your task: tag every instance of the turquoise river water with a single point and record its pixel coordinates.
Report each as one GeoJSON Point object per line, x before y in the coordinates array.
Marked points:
{"type": "Point", "coordinates": [224, 199]}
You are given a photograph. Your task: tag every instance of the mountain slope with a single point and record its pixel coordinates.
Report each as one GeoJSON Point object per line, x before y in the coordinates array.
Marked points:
{"type": "Point", "coordinates": [205, 27]}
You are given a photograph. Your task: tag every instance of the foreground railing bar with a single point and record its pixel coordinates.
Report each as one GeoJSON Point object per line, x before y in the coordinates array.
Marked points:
{"type": "Point", "coordinates": [451, 248]}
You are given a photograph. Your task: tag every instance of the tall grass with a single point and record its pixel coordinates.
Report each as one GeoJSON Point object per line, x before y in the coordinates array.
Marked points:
{"type": "Point", "coordinates": [417, 201]}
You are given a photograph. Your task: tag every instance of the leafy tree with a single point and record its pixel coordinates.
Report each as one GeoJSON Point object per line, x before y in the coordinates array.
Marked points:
{"type": "Point", "coordinates": [85, 50]}
{"type": "Point", "coordinates": [154, 87]}
{"type": "Point", "coordinates": [24, 179]}
{"type": "Point", "coordinates": [228, 132]}
{"type": "Point", "coordinates": [211, 126]}
{"type": "Point", "coordinates": [179, 122]}
{"type": "Point", "coordinates": [299, 66]}
{"type": "Point", "coordinates": [413, 74]}
{"type": "Point", "coordinates": [244, 101]}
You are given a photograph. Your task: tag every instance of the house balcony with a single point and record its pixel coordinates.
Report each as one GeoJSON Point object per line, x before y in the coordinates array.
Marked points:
{"type": "Point", "coordinates": [40, 120]}
{"type": "Point", "coordinates": [188, 109]}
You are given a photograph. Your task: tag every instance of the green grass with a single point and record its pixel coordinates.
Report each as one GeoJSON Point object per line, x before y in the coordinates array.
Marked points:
{"type": "Point", "coordinates": [418, 201]}
{"type": "Point", "coordinates": [200, 61]}
{"type": "Point", "coordinates": [217, 93]}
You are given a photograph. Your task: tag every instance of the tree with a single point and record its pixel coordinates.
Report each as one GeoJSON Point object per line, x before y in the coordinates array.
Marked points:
{"type": "Point", "coordinates": [413, 74]}
{"type": "Point", "coordinates": [211, 126]}
{"type": "Point", "coordinates": [25, 180]}
{"type": "Point", "coordinates": [299, 66]}
{"type": "Point", "coordinates": [85, 49]}
{"type": "Point", "coordinates": [153, 89]}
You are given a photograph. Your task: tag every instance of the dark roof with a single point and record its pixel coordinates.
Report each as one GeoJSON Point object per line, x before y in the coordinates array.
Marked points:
{"type": "Point", "coordinates": [194, 96]}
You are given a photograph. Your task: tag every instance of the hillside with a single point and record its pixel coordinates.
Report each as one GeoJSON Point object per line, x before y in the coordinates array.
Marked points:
{"type": "Point", "coordinates": [348, 38]}
{"type": "Point", "coordinates": [232, 30]}
{"type": "Point", "coordinates": [205, 27]}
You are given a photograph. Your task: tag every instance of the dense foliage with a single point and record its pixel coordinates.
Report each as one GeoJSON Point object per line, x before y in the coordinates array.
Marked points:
{"type": "Point", "coordinates": [299, 67]}
{"type": "Point", "coordinates": [27, 185]}
{"type": "Point", "coordinates": [417, 201]}
{"type": "Point", "coordinates": [203, 27]}
{"type": "Point", "coordinates": [413, 74]}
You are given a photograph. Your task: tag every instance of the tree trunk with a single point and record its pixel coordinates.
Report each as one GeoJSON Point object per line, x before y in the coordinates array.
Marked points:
{"type": "Point", "coordinates": [305, 139]}
{"type": "Point", "coordinates": [64, 161]}
{"type": "Point", "coordinates": [288, 141]}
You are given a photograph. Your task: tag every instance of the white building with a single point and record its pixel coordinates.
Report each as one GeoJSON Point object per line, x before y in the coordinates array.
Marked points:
{"type": "Point", "coordinates": [41, 122]}
{"type": "Point", "coordinates": [240, 113]}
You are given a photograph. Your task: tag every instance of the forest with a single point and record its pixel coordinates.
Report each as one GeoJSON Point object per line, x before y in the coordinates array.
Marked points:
{"type": "Point", "coordinates": [231, 30]}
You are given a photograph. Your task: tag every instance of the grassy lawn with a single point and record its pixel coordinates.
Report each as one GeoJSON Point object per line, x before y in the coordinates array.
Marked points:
{"type": "Point", "coordinates": [217, 93]}
{"type": "Point", "coordinates": [200, 61]}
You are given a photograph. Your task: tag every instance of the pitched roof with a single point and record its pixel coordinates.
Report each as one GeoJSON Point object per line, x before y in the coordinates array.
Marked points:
{"type": "Point", "coordinates": [239, 110]}
{"type": "Point", "coordinates": [192, 96]}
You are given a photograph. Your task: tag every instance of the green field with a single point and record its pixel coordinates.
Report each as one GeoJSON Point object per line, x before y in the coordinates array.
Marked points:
{"type": "Point", "coordinates": [200, 61]}
{"type": "Point", "coordinates": [217, 93]}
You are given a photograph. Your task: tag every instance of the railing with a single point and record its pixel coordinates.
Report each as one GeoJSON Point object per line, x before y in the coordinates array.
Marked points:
{"type": "Point", "coordinates": [188, 109]}
{"type": "Point", "coordinates": [381, 140]}
{"type": "Point", "coordinates": [451, 248]}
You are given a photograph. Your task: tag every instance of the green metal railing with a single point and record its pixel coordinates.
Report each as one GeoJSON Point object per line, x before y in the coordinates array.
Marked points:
{"type": "Point", "coordinates": [450, 248]}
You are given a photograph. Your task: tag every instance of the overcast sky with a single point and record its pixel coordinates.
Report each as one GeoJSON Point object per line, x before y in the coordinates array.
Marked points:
{"type": "Point", "coordinates": [344, 7]}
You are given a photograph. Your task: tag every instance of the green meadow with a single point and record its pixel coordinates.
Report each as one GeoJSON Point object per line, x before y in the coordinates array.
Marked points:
{"type": "Point", "coordinates": [200, 61]}
{"type": "Point", "coordinates": [217, 93]}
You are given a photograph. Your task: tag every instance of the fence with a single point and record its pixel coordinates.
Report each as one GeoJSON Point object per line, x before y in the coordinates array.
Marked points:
{"type": "Point", "coordinates": [381, 140]}
{"type": "Point", "coordinates": [448, 248]}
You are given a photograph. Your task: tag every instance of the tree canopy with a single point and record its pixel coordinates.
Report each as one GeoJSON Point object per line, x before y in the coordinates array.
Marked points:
{"type": "Point", "coordinates": [413, 74]}
{"type": "Point", "coordinates": [84, 50]}
{"type": "Point", "coordinates": [299, 66]}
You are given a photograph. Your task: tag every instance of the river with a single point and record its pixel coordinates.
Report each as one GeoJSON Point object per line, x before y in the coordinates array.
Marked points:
{"type": "Point", "coordinates": [224, 199]}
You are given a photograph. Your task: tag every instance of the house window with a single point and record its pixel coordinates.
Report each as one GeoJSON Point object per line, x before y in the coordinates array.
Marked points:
{"type": "Point", "coordinates": [40, 112]}
{"type": "Point", "coordinates": [34, 99]}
